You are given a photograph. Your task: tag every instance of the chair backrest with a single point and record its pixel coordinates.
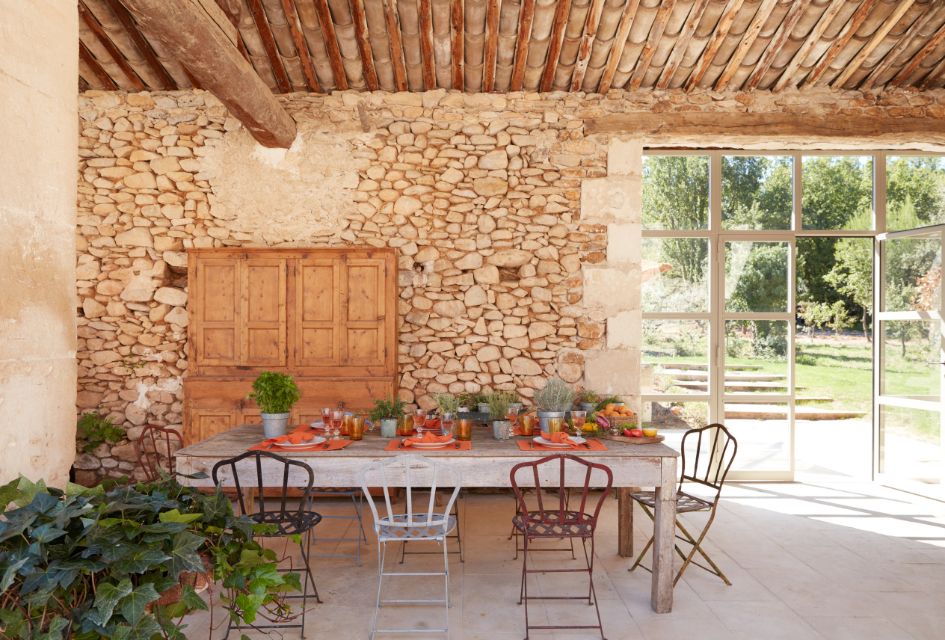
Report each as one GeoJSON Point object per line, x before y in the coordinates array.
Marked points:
{"type": "Point", "coordinates": [260, 470]}
{"type": "Point", "coordinates": [413, 474]}
{"type": "Point", "coordinates": [154, 446]}
{"type": "Point", "coordinates": [707, 454]}
{"type": "Point", "coordinates": [563, 510]}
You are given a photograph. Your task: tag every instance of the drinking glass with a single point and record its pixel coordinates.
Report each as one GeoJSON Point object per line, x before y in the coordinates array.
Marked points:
{"type": "Point", "coordinates": [446, 424]}
{"type": "Point", "coordinates": [464, 429]}
{"type": "Point", "coordinates": [405, 425]}
{"type": "Point", "coordinates": [336, 419]}
{"type": "Point", "coordinates": [555, 425]}
{"type": "Point", "coordinates": [346, 423]}
{"type": "Point", "coordinates": [528, 424]}
{"type": "Point", "coordinates": [512, 416]}
{"type": "Point", "coordinates": [326, 418]}
{"type": "Point", "coordinates": [578, 418]}
{"type": "Point", "coordinates": [356, 427]}
{"type": "Point", "coordinates": [420, 421]}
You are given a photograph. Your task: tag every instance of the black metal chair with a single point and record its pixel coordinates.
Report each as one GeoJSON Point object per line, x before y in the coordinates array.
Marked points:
{"type": "Point", "coordinates": [288, 520]}
{"type": "Point", "coordinates": [155, 449]}
{"type": "Point", "coordinates": [559, 521]}
{"type": "Point", "coordinates": [714, 450]}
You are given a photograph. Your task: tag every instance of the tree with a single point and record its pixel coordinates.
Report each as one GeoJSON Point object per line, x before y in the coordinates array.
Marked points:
{"type": "Point", "coordinates": [852, 276]}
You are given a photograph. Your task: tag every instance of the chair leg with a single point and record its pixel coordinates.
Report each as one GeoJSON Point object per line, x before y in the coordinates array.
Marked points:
{"type": "Point", "coordinates": [523, 594]}
{"type": "Point", "coordinates": [697, 547]}
{"type": "Point", "coordinates": [306, 556]}
{"type": "Point", "coordinates": [446, 586]}
{"type": "Point", "coordinates": [381, 555]}
{"type": "Point", "coordinates": [590, 575]}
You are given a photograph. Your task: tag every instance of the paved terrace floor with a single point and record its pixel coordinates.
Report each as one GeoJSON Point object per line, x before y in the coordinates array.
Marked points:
{"type": "Point", "coordinates": [808, 561]}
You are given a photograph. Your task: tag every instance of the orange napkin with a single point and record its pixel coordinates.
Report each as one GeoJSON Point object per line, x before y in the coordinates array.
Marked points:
{"type": "Point", "coordinates": [558, 438]}
{"type": "Point", "coordinates": [428, 438]}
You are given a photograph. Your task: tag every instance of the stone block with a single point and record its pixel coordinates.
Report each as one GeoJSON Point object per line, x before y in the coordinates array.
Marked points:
{"type": "Point", "coordinates": [613, 371]}
{"type": "Point", "coordinates": [624, 330]}
{"type": "Point", "coordinates": [612, 289]}
{"type": "Point", "coordinates": [612, 199]}
{"type": "Point", "coordinates": [625, 157]}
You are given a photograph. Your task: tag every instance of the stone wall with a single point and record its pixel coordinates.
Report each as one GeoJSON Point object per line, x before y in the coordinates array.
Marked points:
{"type": "Point", "coordinates": [37, 243]}
{"type": "Point", "coordinates": [518, 235]}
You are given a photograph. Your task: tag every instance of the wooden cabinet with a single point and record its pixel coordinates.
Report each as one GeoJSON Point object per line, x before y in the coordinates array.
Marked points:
{"type": "Point", "coordinates": [325, 316]}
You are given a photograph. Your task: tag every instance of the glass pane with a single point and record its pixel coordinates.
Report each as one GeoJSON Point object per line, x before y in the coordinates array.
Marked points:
{"type": "Point", "coordinates": [763, 434]}
{"type": "Point", "coordinates": [675, 273]}
{"type": "Point", "coordinates": [912, 273]}
{"type": "Point", "coordinates": [910, 445]}
{"type": "Point", "coordinates": [674, 418]}
{"type": "Point", "coordinates": [676, 192]}
{"type": "Point", "coordinates": [911, 353]}
{"type": "Point", "coordinates": [756, 356]}
{"type": "Point", "coordinates": [675, 356]}
{"type": "Point", "coordinates": [915, 193]}
{"type": "Point", "coordinates": [838, 192]}
{"type": "Point", "coordinates": [757, 192]}
{"type": "Point", "coordinates": [756, 276]}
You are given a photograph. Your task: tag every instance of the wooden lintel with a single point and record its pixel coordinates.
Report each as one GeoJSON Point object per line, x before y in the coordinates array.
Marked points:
{"type": "Point", "coordinates": [298, 38]}
{"type": "Point", "coordinates": [591, 23]}
{"type": "Point", "coordinates": [392, 22]}
{"type": "Point", "coordinates": [365, 50]}
{"type": "Point", "coordinates": [554, 48]}
{"type": "Point", "coordinates": [768, 128]}
{"type": "Point", "coordinates": [457, 43]}
{"type": "Point", "coordinates": [620, 41]}
{"type": "Point", "coordinates": [144, 47]}
{"type": "Point", "coordinates": [425, 25]}
{"type": "Point", "coordinates": [210, 58]}
{"type": "Point", "coordinates": [492, 45]}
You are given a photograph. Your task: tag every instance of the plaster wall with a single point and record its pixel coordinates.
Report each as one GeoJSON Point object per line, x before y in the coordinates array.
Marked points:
{"type": "Point", "coordinates": [38, 98]}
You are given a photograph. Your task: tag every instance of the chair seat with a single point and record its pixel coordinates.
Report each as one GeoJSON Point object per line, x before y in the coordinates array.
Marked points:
{"type": "Point", "coordinates": [549, 524]}
{"type": "Point", "coordinates": [290, 523]}
{"type": "Point", "coordinates": [685, 503]}
{"type": "Point", "coordinates": [396, 528]}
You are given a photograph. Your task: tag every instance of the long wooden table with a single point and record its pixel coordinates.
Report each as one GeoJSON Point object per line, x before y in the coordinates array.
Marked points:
{"type": "Point", "coordinates": [487, 464]}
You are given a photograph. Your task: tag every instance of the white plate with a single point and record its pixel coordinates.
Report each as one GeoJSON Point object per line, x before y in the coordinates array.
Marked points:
{"type": "Point", "coordinates": [432, 445]}
{"type": "Point", "coordinates": [547, 443]}
{"type": "Point", "coordinates": [318, 424]}
{"type": "Point", "coordinates": [311, 443]}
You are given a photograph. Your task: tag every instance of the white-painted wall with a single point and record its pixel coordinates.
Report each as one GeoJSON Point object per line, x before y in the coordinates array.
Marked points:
{"type": "Point", "coordinates": [38, 164]}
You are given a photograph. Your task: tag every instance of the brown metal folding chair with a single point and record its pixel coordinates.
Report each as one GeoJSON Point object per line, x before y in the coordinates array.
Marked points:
{"type": "Point", "coordinates": [155, 449]}
{"type": "Point", "coordinates": [714, 452]}
{"type": "Point", "coordinates": [558, 521]}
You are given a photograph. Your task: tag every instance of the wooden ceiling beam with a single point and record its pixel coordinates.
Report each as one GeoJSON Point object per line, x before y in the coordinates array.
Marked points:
{"type": "Point", "coordinates": [934, 77]}
{"type": "Point", "coordinates": [652, 39]}
{"type": "Point", "coordinates": [777, 43]}
{"type": "Point", "coordinates": [144, 47]}
{"type": "Point", "coordinates": [715, 42]}
{"type": "Point", "coordinates": [918, 58]}
{"type": "Point", "coordinates": [562, 10]}
{"type": "Point", "coordinates": [492, 45]}
{"type": "Point", "coordinates": [96, 28]}
{"type": "Point", "coordinates": [308, 69]}
{"type": "Point", "coordinates": [392, 22]}
{"type": "Point", "coordinates": [526, 17]}
{"type": "Point", "coordinates": [813, 38]}
{"type": "Point", "coordinates": [331, 43]}
{"type": "Point", "coordinates": [86, 56]}
{"type": "Point", "coordinates": [458, 43]}
{"type": "Point", "coordinates": [425, 20]}
{"type": "Point", "coordinates": [681, 44]}
{"type": "Point", "coordinates": [620, 41]}
{"type": "Point", "coordinates": [211, 59]}
{"type": "Point", "coordinates": [744, 45]}
{"type": "Point", "coordinates": [878, 36]}
{"type": "Point", "coordinates": [896, 51]}
{"type": "Point", "coordinates": [587, 43]}
{"type": "Point", "coordinates": [691, 127]}
{"type": "Point", "coordinates": [861, 13]}
{"type": "Point", "coordinates": [364, 45]}
{"type": "Point", "coordinates": [269, 44]}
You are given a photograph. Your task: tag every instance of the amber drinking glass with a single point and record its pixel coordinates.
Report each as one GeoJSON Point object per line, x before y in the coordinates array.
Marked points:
{"type": "Point", "coordinates": [356, 427]}
{"type": "Point", "coordinates": [528, 424]}
{"type": "Point", "coordinates": [512, 416]}
{"type": "Point", "coordinates": [405, 426]}
{"type": "Point", "coordinates": [555, 425]}
{"type": "Point", "coordinates": [464, 429]}
{"type": "Point", "coordinates": [346, 424]}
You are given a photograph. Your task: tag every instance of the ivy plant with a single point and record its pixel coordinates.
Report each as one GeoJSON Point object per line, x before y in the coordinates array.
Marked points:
{"type": "Point", "coordinates": [93, 429]}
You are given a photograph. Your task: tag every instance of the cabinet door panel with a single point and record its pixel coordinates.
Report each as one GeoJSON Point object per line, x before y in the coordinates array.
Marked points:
{"type": "Point", "coordinates": [205, 423]}
{"type": "Point", "coordinates": [264, 313]}
{"type": "Point", "coordinates": [317, 301]}
{"type": "Point", "coordinates": [215, 312]}
{"type": "Point", "coordinates": [365, 310]}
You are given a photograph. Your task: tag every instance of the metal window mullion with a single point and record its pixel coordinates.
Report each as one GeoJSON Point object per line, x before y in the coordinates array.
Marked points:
{"type": "Point", "coordinates": [791, 392]}
{"type": "Point", "coordinates": [716, 292]}
{"type": "Point", "coordinates": [879, 342]}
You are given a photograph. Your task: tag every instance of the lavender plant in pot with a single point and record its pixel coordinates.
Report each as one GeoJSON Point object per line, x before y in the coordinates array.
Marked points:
{"type": "Point", "coordinates": [275, 393]}
{"type": "Point", "coordinates": [553, 401]}
{"type": "Point", "coordinates": [498, 413]}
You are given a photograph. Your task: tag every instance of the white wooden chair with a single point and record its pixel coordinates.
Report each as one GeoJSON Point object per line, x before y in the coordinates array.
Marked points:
{"type": "Point", "coordinates": [426, 523]}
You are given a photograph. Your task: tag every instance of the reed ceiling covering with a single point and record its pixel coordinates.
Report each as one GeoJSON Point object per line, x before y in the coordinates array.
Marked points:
{"type": "Point", "coordinates": [540, 45]}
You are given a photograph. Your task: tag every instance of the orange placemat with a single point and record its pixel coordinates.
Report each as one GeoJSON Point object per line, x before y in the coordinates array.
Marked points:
{"type": "Point", "coordinates": [328, 445]}
{"type": "Point", "coordinates": [397, 445]}
{"type": "Point", "coordinates": [592, 444]}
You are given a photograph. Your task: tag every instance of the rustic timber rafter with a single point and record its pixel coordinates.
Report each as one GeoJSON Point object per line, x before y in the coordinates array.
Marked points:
{"type": "Point", "coordinates": [620, 41]}
{"type": "Point", "coordinates": [840, 42]}
{"type": "Point", "coordinates": [813, 38]}
{"type": "Point", "coordinates": [93, 24]}
{"type": "Point", "coordinates": [906, 72]}
{"type": "Point", "coordinates": [86, 56]}
{"type": "Point", "coordinates": [894, 54]}
{"type": "Point", "coordinates": [300, 45]}
{"type": "Point", "coordinates": [591, 23]}
{"type": "Point", "coordinates": [526, 17]}
{"type": "Point", "coordinates": [492, 45]}
{"type": "Point", "coordinates": [649, 47]}
{"type": "Point", "coordinates": [777, 43]}
{"type": "Point", "coordinates": [748, 39]}
{"type": "Point", "coordinates": [331, 44]}
{"type": "Point", "coordinates": [269, 44]}
{"type": "Point", "coordinates": [854, 65]}
{"type": "Point", "coordinates": [425, 18]}
{"type": "Point", "coordinates": [392, 24]}
{"type": "Point", "coordinates": [682, 43]}
{"type": "Point", "coordinates": [554, 48]}
{"type": "Point", "coordinates": [364, 44]}
{"type": "Point", "coordinates": [217, 65]}
{"type": "Point", "coordinates": [718, 37]}
{"type": "Point", "coordinates": [457, 43]}
{"type": "Point", "coordinates": [144, 47]}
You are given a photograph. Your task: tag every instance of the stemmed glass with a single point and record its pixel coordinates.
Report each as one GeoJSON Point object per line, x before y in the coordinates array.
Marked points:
{"type": "Point", "coordinates": [326, 418]}
{"type": "Point", "coordinates": [420, 421]}
{"type": "Point", "coordinates": [512, 416]}
{"type": "Point", "coordinates": [578, 418]}
{"type": "Point", "coordinates": [336, 418]}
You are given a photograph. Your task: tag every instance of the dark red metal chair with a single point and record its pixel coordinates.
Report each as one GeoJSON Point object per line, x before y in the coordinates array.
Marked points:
{"type": "Point", "coordinates": [565, 517]}
{"type": "Point", "coordinates": [155, 449]}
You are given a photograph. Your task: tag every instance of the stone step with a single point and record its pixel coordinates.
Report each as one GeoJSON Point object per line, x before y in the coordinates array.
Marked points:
{"type": "Point", "coordinates": [737, 376]}
{"type": "Point", "coordinates": [701, 366]}
{"type": "Point", "coordinates": [779, 412]}
{"type": "Point", "coordinates": [812, 399]}
{"type": "Point", "coordinates": [733, 387]}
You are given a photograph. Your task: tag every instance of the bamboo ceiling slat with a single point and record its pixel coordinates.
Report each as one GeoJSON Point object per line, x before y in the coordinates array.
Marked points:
{"type": "Point", "coordinates": [541, 45]}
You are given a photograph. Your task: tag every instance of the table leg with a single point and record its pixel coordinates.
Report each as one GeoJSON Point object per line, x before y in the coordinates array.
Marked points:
{"type": "Point", "coordinates": [664, 533]}
{"type": "Point", "coordinates": [624, 523]}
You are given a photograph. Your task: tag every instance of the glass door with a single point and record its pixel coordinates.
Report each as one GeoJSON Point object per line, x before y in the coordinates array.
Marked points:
{"type": "Point", "coordinates": [755, 338]}
{"type": "Point", "coordinates": [910, 357]}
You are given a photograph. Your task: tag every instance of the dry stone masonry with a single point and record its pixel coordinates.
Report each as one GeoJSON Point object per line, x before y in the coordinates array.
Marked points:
{"type": "Point", "coordinates": [517, 234]}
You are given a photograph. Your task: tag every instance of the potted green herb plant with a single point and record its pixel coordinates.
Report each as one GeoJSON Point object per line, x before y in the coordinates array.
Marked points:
{"type": "Point", "coordinates": [587, 400]}
{"type": "Point", "coordinates": [467, 402]}
{"type": "Point", "coordinates": [275, 393]}
{"type": "Point", "coordinates": [482, 402]}
{"type": "Point", "coordinates": [499, 403]}
{"type": "Point", "coordinates": [386, 413]}
{"type": "Point", "coordinates": [553, 401]}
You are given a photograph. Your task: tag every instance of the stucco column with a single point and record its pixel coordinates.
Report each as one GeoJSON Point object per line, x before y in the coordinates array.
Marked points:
{"type": "Point", "coordinates": [38, 162]}
{"type": "Point", "coordinates": [612, 289]}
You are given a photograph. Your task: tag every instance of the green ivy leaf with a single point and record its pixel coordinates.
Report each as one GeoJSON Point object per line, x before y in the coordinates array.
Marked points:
{"type": "Point", "coordinates": [133, 605]}
{"type": "Point", "coordinates": [10, 573]}
{"type": "Point", "coordinates": [146, 627]}
{"type": "Point", "coordinates": [55, 630]}
{"type": "Point", "coordinates": [184, 556]}
{"type": "Point", "coordinates": [107, 596]}
{"type": "Point", "coordinates": [176, 516]}
{"type": "Point", "coordinates": [141, 561]}
{"type": "Point", "coordinates": [192, 600]}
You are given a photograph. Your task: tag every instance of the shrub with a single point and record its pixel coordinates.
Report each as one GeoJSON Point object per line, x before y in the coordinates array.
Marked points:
{"type": "Point", "coordinates": [275, 392]}
{"type": "Point", "coordinates": [93, 430]}
{"type": "Point", "coordinates": [555, 396]}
